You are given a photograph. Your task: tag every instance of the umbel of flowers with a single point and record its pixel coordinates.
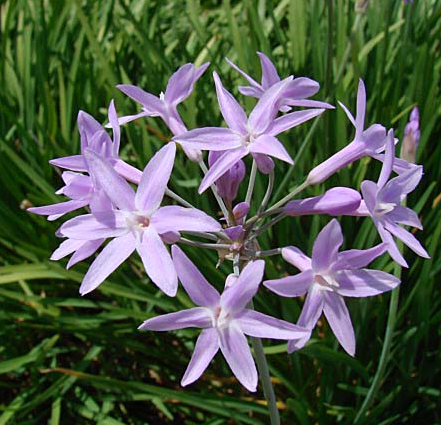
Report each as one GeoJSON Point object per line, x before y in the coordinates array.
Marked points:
{"type": "Point", "coordinates": [126, 212]}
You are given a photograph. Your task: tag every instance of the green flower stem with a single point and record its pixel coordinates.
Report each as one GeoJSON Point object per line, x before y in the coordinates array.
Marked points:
{"type": "Point", "coordinates": [288, 197]}
{"type": "Point", "coordinates": [385, 352]}
{"type": "Point", "coordinates": [269, 191]}
{"type": "Point", "coordinates": [251, 182]}
{"type": "Point", "coordinates": [177, 198]}
{"type": "Point", "coordinates": [214, 190]}
{"type": "Point", "coordinates": [204, 244]}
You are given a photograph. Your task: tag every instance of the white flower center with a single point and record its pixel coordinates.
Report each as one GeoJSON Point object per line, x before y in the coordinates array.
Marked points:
{"type": "Point", "coordinates": [326, 282]}
{"type": "Point", "coordinates": [383, 208]}
{"type": "Point", "coordinates": [221, 318]}
{"type": "Point", "coordinates": [138, 221]}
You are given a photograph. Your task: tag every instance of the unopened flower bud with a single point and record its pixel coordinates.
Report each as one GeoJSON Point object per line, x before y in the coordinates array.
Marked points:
{"type": "Point", "coordinates": [411, 137]}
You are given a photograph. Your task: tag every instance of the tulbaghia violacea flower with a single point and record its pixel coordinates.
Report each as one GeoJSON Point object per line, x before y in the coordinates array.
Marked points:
{"type": "Point", "coordinates": [366, 142]}
{"type": "Point", "coordinates": [80, 188]}
{"type": "Point", "coordinates": [326, 278]}
{"type": "Point", "coordinates": [228, 184]}
{"type": "Point", "coordinates": [411, 138]}
{"type": "Point", "coordinates": [136, 223]}
{"type": "Point", "coordinates": [335, 201]}
{"type": "Point", "coordinates": [224, 320]}
{"type": "Point", "coordinates": [300, 88]}
{"type": "Point", "coordinates": [246, 135]}
{"type": "Point", "coordinates": [382, 200]}
{"type": "Point", "coordinates": [179, 87]}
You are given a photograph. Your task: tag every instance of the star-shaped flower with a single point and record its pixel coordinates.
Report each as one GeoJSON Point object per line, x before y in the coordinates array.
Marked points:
{"type": "Point", "coordinates": [225, 320]}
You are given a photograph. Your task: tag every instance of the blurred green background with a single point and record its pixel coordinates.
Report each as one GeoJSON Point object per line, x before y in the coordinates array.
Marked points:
{"type": "Point", "coordinates": [65, 359]}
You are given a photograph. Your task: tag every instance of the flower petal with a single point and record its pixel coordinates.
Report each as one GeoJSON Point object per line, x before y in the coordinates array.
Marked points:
{"type": "Point", "coordinates": [253, 82]}
{"type": "Point", "coordinates": [85, 251]}
{"type": "Point", "coordinates": [338, 318]}
{"type": "Point", "coordinates": [293, 119]}
{"type": "Point", "coordinates": [364, 282]}
{"type": "Point", "coordinates": [116, 188]}
{"type": "Point", "coordinates": [326, 246]}
{"type": "Point", "coordinates": [406, 216]}
{"type": "Point", "coordinates": [59, 209]}
{"type": "Point", "coordinates": [291, 286]}
{"type": "Point", "coordinates": [207, 345]}
{"type": "Point", "coordinates": [269, 71]}
{"type": "Point", "coordinates": [221, 166]}
{"type": "Point", "coordinates": [234, 347]}
{"type": "Point", "coordinates": [66, 247]}
{"type": "Point", "coordinates": [110, 258]}
{"type": "Point", "coordinates": [361, 109]}
{"type": "Point", "coordinates": [395, 190]}
{"type": "Point", "coordinates": [392, 247]}
{"type": "Point", "coordinates": [154, 179]}
{"type": "Point", "coordinates": [176, 218]}
{"type": "Point", "coordinates": [179, 85]}
{"type": "Point", "coordinates": [296, 257]}
{"type": "Point", "coordinates": [357, 258]}
{"type": "Point", "coordinates": [74, 163]}
{"type": "Point", "coordinates": [196, 317]}
{"type": "Point", "coordinates": [194, 283]}
{"type": "Point", "coordinates": [260, 325]}
{"type": "Point", "coordinates": [210, 138]}
{"type": "Point", "coordinates": [151, 103]}
{"type": "Point", "coordinates": [233, 113]}
{"type": "Point", "coordinates": [236, 297]}
{"type": "Point", "coordinates": [388, 163]}
{"type": "Point", "coordinates": [157, 262]}
{"type": "Point", "coordinates": [269, 145]}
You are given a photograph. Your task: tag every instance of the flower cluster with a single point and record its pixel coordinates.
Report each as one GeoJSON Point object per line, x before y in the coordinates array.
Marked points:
{"type": "Point", "coordinates": [132, 210]}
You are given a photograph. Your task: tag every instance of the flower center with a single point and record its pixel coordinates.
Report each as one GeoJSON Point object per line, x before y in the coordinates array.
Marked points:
{"type": "Point", "coordinates": [138, 221]}
{"type": "Point", "coordinates": [383, 208]}
{"type": "Point", "coordinates": [326, 281]}
{"type": "Point", "coordinates": [221, 317]}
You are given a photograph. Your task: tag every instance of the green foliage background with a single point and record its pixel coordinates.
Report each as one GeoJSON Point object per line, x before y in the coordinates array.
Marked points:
{"type": "Point", "coordinates": [65, 359]}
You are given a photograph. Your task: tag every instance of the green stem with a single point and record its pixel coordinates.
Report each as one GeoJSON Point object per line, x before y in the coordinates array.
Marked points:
{"type": "Point", "coordinates": [251, 182]}
{"type": "Point", "coordinates": [290, 195]}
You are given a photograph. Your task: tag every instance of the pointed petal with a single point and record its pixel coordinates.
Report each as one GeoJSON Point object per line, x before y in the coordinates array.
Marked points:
{"type": "Point", "coordinates": [113, 119]}
{"type": "Point", "coordinates": [291, 286]}
{"type": "Point", "coordinates": [74, 163]}
{"type": "Point", "coordinates": [250, 91]}
{"type": "Point", "coordinates": [110, 258]}
{"type": "Point", "coordinates": [66, 247]}
{"type": "Point", "coordinates": [85, 251]}
{"type": "Point", "coordinates": [233, 113]}
{"type": "Point", "coordinates": [210, 138]}
{"type": "Point", "coordinates": [157, 262]}
{"type": "Point", "coordinates": [392, 247]}
{"type": "Point", "coordinates": [388, 163]}
{"type": "Point", "coordinates": [396, 189]}
{"type": "Point", "coordinates": [236, 297]}
{"type": "Point", "coordinates": [357, 258]}
{"type": "Point", "coordinates": [361, 109]}
{"type": "Point", "coordinates": [338, 318]}
{"type": "Point", "coordinates": [260, 325]}
{"type": "Point", "coordinates": [269, 71]}
{"type": "Point", "coordinates": [58, 209]}
{"type": "Point", "coordinates": [129, 118]}
{"type": "Point", "coordinates": [150, 102]}
{"type": "Point", "coordinates": [234, 347]}
{"type": "Point", "coordinates": [296, 257]}
{"type": "Point", "coordinates": [200, 71]}
{"type": "Point", "coordinates": [301, 88]}
{"type": "Point", "coordinates": [179, 85]}
{"type": "Point", "coordinates": [407, 238]}
{"type": "Point", "coordinates": [291, 120]}
{"type": "Point", "coordinates": [116, 188]}
{"type": "Point", "coordinates": [197, 317]}
{"type": "Point", "coordinates": [87, 127]}
{"type": "Point", "coordinates": [176, 218]}
{"type": "Point", "coordinates": [348, 113]}
{"type": "Point", "coordinates": [207, 345]}
{"type": "Point", "coordinates": [267, 107]}
{"type": "Point", "coordinates": [88, 227]}
{"type": "Point", "coordinates": [127, 171]}
{"type": "Point", "coordinates": [364, 282]}
{"type": "Point", "coordinates": [155, 178]}
{"type": "Point", "coordinates": [253, 82]}
{"type": "Point", "coordinates": [306, 103]}
{"type": "Point", "coordinates": [326, 246]}
{"type": "Point", "coordinates": [221, 166]}
{"type": "Point", "coordinates": [404, 215]}
{"type": "Point", "coordinates": [269, 145]}
{"type": "Point", "coordinates": [194, 283]}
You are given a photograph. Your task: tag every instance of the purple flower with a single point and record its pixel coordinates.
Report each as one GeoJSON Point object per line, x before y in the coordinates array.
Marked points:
{"type": "Point", "coordinates": [228, 184]}
{"type": "Point", "coordinates": [412, 136]}
{"type": "Point", "coordinates": [335, 201]}
{"type": "Point", "coordinates": [327, 277]}
{"type": "Point", "coordinates": [224, 320]}
{"type": "Point", "coordinates": [254, 134]}
{"type": "Point", "coordinates": [137, 222]}
{"type": "Point", "coordinates": [179, 87]}
{"type": "Point", "coordinates": [299, 89]}
{"type": "Point", "coordinates": [382, 203]}
{"type": "Point", "coordinates": [80, 188]}
{"type": "Point", "coordinates": [366, 142]}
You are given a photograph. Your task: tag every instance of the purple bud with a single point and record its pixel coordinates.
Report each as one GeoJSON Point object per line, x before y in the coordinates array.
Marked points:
{"type": "Point", "coordinates": [264, 163]}
{"type": "Point", "coordinates": [228, 184]}
{"type": "Point", "coordinates": [235, 232]}
{"type": "Point", "coordinates": [241, 210]}
{"type": "Point", "coordinates": [335, 201]}
{"type": "Point", "coordinates": [411, 137]}
{"type": "Point", "coordinates": [170, 237]}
